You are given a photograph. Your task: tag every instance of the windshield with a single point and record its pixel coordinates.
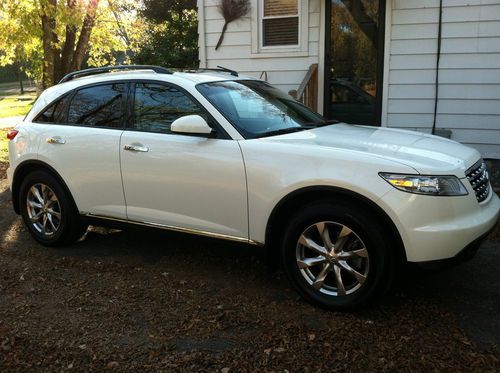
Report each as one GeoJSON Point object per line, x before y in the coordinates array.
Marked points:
{"type": "Point", "coordinates": [257, 109]}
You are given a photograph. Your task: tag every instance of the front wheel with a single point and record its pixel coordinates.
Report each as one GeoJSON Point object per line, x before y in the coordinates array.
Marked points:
{"type": "Point", "coordinates": [337, 255]}
{"type": "Point", "coordinates": [48, 211]}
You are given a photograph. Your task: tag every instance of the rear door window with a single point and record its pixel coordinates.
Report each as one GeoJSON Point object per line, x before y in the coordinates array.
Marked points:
{"type": "Point", "coordinates": [55, 113]}
{"type": "Point", "coordinates": [98, 106]}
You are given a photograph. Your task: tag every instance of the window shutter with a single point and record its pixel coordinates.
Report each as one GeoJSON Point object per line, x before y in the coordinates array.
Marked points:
{"type": "Point", "coordinates": [273, 8]}
{"type": "Point", "coordinates": [281, 31]}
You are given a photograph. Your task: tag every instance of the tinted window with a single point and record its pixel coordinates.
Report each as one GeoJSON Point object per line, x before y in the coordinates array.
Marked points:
{"type": "Point", "coordinates": [157, 106]}
{"type": "Point", "coordinates": [55, 113]}
{"type": "Point", "coordinates": [99, 106]}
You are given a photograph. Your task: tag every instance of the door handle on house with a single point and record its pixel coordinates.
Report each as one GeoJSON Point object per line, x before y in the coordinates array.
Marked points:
{"type": "Point", "coordinates": [56, 140]}
{"type": "Point", "coordinates": [136, 148]}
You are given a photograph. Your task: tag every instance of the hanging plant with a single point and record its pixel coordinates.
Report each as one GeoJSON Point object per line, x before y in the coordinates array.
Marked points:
{"type": "Point", "coordinates": [231, 10]}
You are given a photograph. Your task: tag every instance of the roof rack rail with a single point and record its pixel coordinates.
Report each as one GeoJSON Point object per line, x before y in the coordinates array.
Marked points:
{"type": "Point", "coordinates": [107, 69]}
{"type": "Point", "coordinates": [218, 69]}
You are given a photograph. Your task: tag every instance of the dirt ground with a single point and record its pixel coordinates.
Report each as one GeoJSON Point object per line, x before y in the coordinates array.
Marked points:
{"type": "Point", "coordinates": [156, 301]}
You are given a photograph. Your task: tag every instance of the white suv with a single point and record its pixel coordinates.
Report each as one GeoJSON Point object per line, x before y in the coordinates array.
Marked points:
{"type": "Point", "coordinates": [218, 155]}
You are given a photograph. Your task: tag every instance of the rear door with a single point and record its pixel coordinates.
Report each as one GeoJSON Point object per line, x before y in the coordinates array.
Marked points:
{"type": "Point", "coordinates": [185, 181]}
{"type": "Point", "coordinates": [81, 141]}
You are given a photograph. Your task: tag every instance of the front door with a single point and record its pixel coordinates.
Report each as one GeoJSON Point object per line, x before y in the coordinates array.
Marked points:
{"type": "Point", "coordinates": [184, 181]}
{"type": "Point", "coordinates": [354, 60]}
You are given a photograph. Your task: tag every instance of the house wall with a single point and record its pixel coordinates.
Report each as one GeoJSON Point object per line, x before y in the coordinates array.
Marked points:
{"type": "Point", "coordinates": [284, 70]}
{"type": "Point", "coordinates": [469, 89]}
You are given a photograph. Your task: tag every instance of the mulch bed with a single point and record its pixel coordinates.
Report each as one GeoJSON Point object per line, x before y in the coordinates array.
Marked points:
{"type": "Point", "coordinates": [154, 302]}
{"type": "Point", "coordinates": [3, 170]}
{"type": "Point", "coordinates": [133, 301]}
{"type": "Point", "coordinates": [495, 234]}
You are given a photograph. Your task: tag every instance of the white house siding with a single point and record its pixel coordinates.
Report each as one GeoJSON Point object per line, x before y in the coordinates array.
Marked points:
{"type": "Point", "coordinates": [285, 71]}
{"type": "Point", "coordinates": [469, 90]}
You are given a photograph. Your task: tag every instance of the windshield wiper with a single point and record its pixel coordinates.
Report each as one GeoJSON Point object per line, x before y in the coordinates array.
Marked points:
{"type": "Point", "coordinates": [283, 131]}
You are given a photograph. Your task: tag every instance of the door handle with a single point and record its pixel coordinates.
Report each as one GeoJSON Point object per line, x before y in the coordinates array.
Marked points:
{"type": "Point", "coordinates": [56, 140]}
{"type": "Point", "coordinates": [136, 148]}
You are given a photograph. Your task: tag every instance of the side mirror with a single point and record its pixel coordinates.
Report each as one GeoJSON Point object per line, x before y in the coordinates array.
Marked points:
{"type": "Point", "coordinates": [191, 124]}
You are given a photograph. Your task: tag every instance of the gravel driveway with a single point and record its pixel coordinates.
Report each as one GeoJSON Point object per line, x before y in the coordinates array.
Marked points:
{"type": "Point", "coordinates": [160, 301]}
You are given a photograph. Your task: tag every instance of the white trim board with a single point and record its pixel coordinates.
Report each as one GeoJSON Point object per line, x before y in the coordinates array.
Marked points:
{"type": "Point", "coordinates": [202, 34]}
{"type": "Point", "coordinates": [386, 62]}
{"type": "Point", "coordinates": [321, 62]}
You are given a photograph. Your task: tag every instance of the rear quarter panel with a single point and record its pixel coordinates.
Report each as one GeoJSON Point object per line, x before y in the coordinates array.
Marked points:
{"type": "Point", "coordinates": [25, 145]}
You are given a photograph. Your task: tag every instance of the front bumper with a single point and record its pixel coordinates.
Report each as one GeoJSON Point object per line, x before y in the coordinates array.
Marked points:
{"type": "Point", "coordinates": [437, 228]}
{"type": "Point", "coordinates": [464, 255]}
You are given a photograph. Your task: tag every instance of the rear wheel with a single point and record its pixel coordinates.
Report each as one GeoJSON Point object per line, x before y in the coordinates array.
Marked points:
{"type": "Point", "coordinates": [48, 211]}
{"type": "Point", "coordinates": [337, 255]}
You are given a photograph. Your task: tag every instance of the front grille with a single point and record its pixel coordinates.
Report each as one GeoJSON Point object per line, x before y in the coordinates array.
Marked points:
{"type": "Point", "coordinates": [478, 178]}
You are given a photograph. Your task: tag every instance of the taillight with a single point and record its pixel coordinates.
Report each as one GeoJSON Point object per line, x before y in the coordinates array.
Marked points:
{"type": "Point", "coordinates": [11, 134]}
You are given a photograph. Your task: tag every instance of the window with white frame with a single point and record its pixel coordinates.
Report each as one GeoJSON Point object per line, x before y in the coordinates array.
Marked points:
{"type": "Point", "coordinates": [280, 23]}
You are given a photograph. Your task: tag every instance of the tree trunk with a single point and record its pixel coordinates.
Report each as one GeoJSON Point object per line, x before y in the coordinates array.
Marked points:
{"type": "Point", "coordinates": [83, 40]}
{"type": "Point", "coordinates": [48, 38]}
{"type": "Point", "coordinates": [69, 46]}
{"type": "Point", "coordinates": [18, 69]}
{"type": "Point", "coordinates": [20, 77]}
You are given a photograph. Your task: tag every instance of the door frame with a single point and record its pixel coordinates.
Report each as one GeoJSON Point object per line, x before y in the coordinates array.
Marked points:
{"type": "Point", "coordinates": [381, 60]}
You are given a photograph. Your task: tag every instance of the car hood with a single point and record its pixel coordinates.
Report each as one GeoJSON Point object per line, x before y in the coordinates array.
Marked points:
{"type": "Point", "coordinates": [425, 153]}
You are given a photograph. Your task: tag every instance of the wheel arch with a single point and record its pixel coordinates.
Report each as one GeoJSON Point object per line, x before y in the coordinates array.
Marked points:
{"type": "Point", "coordinates": [300, 197]}
{"type": "Point", "coordinates": [26, 167]}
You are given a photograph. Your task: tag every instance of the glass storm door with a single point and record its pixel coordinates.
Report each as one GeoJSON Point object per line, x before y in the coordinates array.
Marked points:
{"type": "Point", "coordinates": [354, 60]}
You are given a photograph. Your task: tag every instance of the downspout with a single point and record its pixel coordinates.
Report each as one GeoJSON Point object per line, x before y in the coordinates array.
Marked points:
{"type": "Point", "coordinates": [202, 51]}
{"type": "Point", "coordinates": [438, 57]}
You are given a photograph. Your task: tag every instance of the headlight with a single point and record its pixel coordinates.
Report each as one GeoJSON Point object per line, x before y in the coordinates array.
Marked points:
{"type": "Point", "coordinates": [430, 185]}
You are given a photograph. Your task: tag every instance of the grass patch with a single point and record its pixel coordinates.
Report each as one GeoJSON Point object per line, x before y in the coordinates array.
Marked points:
{"type": "Point", "coordinates": [12, 103]}
{"type": "Point", "coordinates": [4, 147]}
{"type": "Point", "coordinates": [11, 106]}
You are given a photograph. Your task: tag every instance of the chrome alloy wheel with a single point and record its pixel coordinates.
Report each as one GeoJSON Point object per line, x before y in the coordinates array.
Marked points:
{"type": "Point", "coordinates": [332, 258]}
{"type": "Point", "coordinates": [44, 210]}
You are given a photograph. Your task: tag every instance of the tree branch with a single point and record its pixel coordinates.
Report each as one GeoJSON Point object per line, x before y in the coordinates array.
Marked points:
{"type": "Point", "coordinates": [121, 29]}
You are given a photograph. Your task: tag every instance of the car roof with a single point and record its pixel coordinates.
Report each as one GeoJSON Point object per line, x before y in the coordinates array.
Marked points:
{"type": "Point", "coordinates": [178, 76]}
{"type": "Point", "coordinates": [182, 79]}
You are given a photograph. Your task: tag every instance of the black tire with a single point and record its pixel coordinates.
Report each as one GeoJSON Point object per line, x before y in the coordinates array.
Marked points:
{"type": "Point", "coordinates": [368, 233]}
{"type": "Point", "coordinates": [70, 228]}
